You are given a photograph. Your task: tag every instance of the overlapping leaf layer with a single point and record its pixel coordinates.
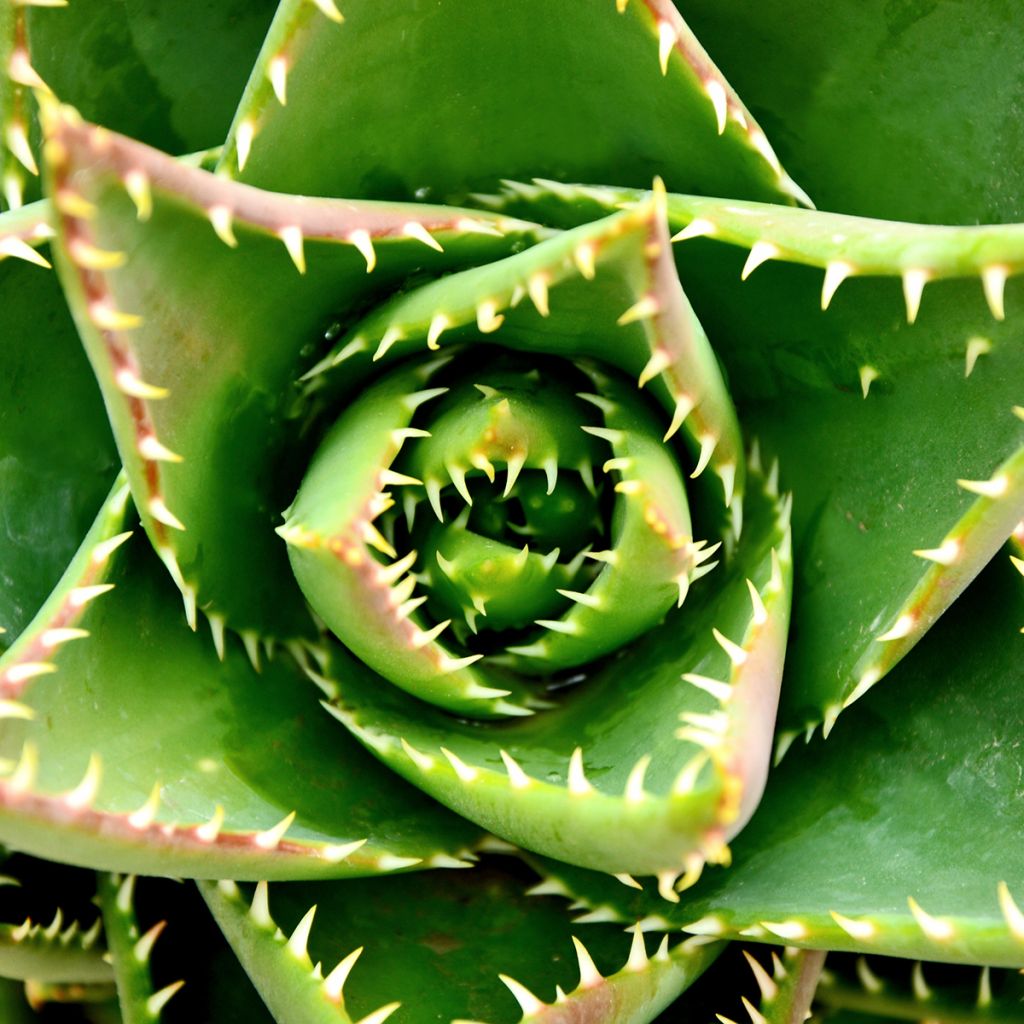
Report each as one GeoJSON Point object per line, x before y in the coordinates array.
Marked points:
{"type": "Point", "coordinates": [450, 472]}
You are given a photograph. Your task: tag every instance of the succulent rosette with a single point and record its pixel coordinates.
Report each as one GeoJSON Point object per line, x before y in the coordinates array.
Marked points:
{"type": "Point", "coordinates": [435, 475]}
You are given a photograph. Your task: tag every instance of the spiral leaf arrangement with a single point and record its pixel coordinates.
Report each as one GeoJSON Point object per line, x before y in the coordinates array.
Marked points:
{"type": "Point", "coordinates": [430, 517]}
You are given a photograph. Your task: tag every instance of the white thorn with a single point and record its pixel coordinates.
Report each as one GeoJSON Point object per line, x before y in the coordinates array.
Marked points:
{"type": "Point", "coordinates": [643, 309]}
{"type": "Point", "coordinates": [1011, 912]}
{"type": "Point", "coordinates": [667, 39]}
{"type": "Point", "coordinates": [271, 837]}
{"type": "Point", "coordinates": [158, 1000]}
{"type": "Point", "coordinates": [208, 832]}
{"type": "Point", "coordinates": [767, 986]}
{"type": "Point", "coordinates": [12, 246]}
{"type": "Point", "coordinates": [684, 406]}
{"type": "Point", "coordinates": [699, 227]}
{"type": "Point", "coordinates": [946, 554]}
{"type": "Point", "coordinates": [590, 976]}
{"type": "Point", "coordinates": [760, 612]}
{"type": "Point", "coordinates": [291, 235]}
{"type": "Point", "coordinates": [638, 960]}
{"type": "Point", "coordinates": [935, 928]}
{"type": "Point", "coordinates": [466, 773]}
{"type": "Point", "coordinates": [380, 1015]}
{"type": "Point", "coordinates": [914, 280]}
{"type": "Point", "coordinates": [129, 383]}
{"type": "Point", "coordinates": [867, 977]}
{"type": "Point", "coordinates": [994, 488]}
{"type": "Point", "coordinates": [243, 142]}
{"type": "Point", "coordinates": [151, 449]}
{"type": "Point", "coordinates": [707, 447]}
{"type": "Point", "coordinates": [577, 779]}
{"type": "Point", "coordinates": [259, 911]}
{"type": "Point", "coordinates": [868, 375]}
{"type": "Point", "coordinates": [146, 814]}
{"type": "Point", "coordinates": [361, 239]}
{"type": "Point", "coordinates": [488, 319]}
{"type": "Point", "coordinates": [584, 256]}
{"type": "Point", "coordinates": [901, 628]}
{"type": "Point", "coordinates": [836, 272]}
{"type": "Point", "coordinates": [634, 792]}
{"type": "Point", "coordinates": [419, 233]}
{"type": "Point", "coordinates": [760, 252]}
{"type": "Point", "coordinates": [518, 779]}
{"type": "Point", "coordinates": [976, 347]}
{"type": "Point", "coordinates": [860, 930]}
{"type": "Point", "coordinates": [527, 1001]}
{"type": "Point", "coordinates": [421, 638]}
{"type": "Point", "coordinates": [162, 514]}
{"type": "Point", "coordinates": [985, 988]}
{"type": "Point", "coordinates": [329, 10]}
{"type": "Point", "coordinates": [334, 983]}
{"type": "Point", "coordinates": [920, 987]}
{"type": "Point", "coordinates": [537, 287]}
{"type": "Point", "coordinates": [277, 72]}
{"type": "Point", "coordinates": [659, 362]}
{"type": "Point", "coordinates": [222, 220]}
{"type": "Point", "coordinates": [993, 281]}
{"type": "Point", "coordinates": [85, 792]}
{"type": "Point", "coordinates": [299, 941]}
{"type": "Point", "coordinates": [719, 690]}
{"type": "Point", "coordinates": [716, 93]}
{"type": "Point", "coordinates": [737, 655]}
{"type": "Point", "coordinates": [438, 325]}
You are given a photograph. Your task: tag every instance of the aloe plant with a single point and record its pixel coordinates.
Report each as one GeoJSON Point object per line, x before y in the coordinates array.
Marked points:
{"type": "Point", "coordinates": [469, 516]}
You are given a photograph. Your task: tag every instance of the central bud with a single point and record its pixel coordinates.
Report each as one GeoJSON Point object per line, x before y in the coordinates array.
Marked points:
{"type": "Point", "coordinates": [468, 528]}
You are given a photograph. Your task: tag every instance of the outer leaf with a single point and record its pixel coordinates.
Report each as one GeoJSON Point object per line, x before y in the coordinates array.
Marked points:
{"type": "Point", "coordinates": [244, 314]}
{"type": "Point", "coordinates": [437, 947]}
{"type": "Point", "coordinates": [168, 75]}
{"type": "Point", "coordinates": [648, 804]}
{"type": "Point", "coordinates": [193, 765]}
{"type": "Point", "coordinates": [45, 379]}
{"type": "Point", "coordinates": [595, 103]}
{"type": "Point", "coordinates": [899, 500]}
{"type": "Point", "coordinates": [849, 849]}
{"type": "Point", "coordinates": [848, 91]}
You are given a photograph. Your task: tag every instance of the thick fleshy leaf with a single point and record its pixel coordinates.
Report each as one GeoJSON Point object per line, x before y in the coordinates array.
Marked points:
{"type": "Point", "coordinates": [618, 92]}
{"type": "Point", "coordinates": [146, 753]}
{"type": "Point", "coordinates": [45, 383]}
{"type": "Point", "coordinates": [608, 778]}
{"type": "Point", "coordinates": [847, 91]}
{"type": "Point", "coordinates": [898, 500]}
{"type": "Point", "coordinates": [168, 75]}
{"type": "Point", "coordinates": [441, 949]}
{"type": "Point", "coordinates": [208, 263]}
{"type": "Point", "coordinates": [849, 849]}
{"type": "Point", "coordinates": [605, 299]}
{"type": "Point", "coordinates": [51, 932]}
{"type": "Point", "coordinates": [881, 988]}
{"type": "Point", "coordinates": [130, 951]}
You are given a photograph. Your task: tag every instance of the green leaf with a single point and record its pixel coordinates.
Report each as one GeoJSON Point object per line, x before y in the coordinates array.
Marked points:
{"type": "Point", "coordinates": [148, 754]}
{"type": "Point", "coordinates": [850, 848]}
{"type": "Point", "coordinates": [563, 89]}
{"type": "Point", "coordinates": [168, 75]}
{"type": "Point", "coordinates": [248, 303]}
{"type": "Point", "coordinates": [847, 90]}
{"type": "Point", "coordinates": [436, 946]}
{"type": "Point", "coordinates": [608, 778]}
{"type": "Point", "coordinates": [46, 379]}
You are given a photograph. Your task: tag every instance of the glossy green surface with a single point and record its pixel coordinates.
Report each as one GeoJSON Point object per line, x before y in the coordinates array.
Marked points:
{"type": "Point", "coordinates": [45, 378]}
{"type": "Point", "coordinates": [436, 943]}
{"type": "Point", "coordinates": [861, 822]}
{"type": "Point", "coordinates": [616, 119]}
{"type": "Point", "coordinates": [172, 715]}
